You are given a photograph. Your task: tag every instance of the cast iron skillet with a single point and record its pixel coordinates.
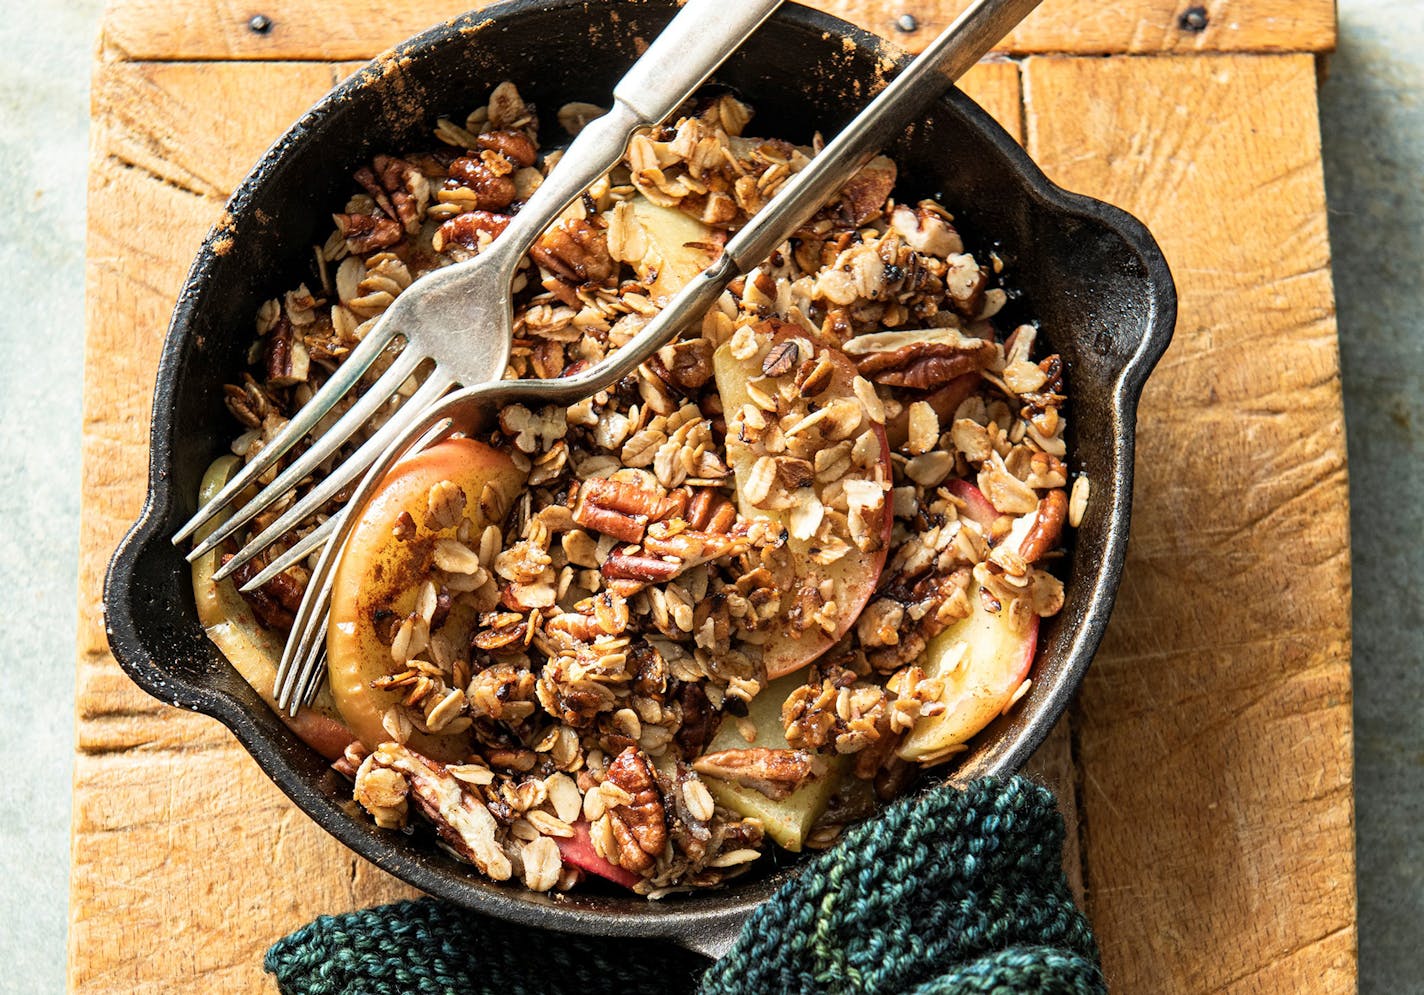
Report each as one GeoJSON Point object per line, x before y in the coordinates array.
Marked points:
{"type": "Point", "coordinates": [1089, 272]}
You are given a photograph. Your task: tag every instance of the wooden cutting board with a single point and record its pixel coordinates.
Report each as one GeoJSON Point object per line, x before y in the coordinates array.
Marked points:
{"type": "Point", "coordinates": [1207, 762]}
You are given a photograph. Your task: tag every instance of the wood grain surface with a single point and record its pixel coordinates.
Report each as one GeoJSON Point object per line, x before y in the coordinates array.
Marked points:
{"type": "Point", "coordinates": [359, 29]}
{"type": "Point", "coordinates": [1209, 756]}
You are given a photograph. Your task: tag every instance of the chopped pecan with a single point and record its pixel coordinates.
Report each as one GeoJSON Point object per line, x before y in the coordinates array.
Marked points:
{"type": "Point", "coordinates": [1047, 526]}
{"type": "Point", "coordinates": [774, 773]}
{"type": "Point", "coordinates": [863, 197]}
{"type": "Point", "coordinates": [459, 816]}
{"type": "Point", "coordinates": [781, 358]}
{"type": "Point", "coordinates": [466, 229]}
{"type": "Point", "coordinates": [699, 719]}
{"type": "Point", "coordinates": [575, 625]}
{"type": "Point", "coordinates": [639, 567]}
{"type": "Point", "coordinates": [640, 826]}
{"type": "Point", "coordinates": [398, 188]}
{"type": "Point", "coordinates": [501, 631]}
{"type": "Point", "coordinates": [921, 360]}
{"type": "Point", "coordinates": [692, 547]}
{"type": "Point", "coordinates": [503, 692]}
{"type": "Point", "coordinates": [686, 365]}
{"type": "Point", "coordinates": [515, 146]}
{"type": "Point", "coordinates": [926, 230]}
{"type": "Point", "coordinates": [249, 404]}
{"type": "Point", "coordinates": [964, 283]}
{"type": "Point", "coordinates": [650, 671]}
{"type": "Point", "coordinates": [575, 251]}
{"type": "Point", "coordinates": [276, 602]}
{"type": "Point", "coordinates": [710, 510]}
{"type": "Point", "coordinates": [368, 232]}
{"type": "Point", "coordinates": [285, 356]}
{"type": "Point", "coordinates": [492, 192]}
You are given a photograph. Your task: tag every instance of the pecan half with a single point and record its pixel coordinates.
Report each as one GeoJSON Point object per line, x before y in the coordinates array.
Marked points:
{"type": "Point", "coordinates": [515, 146]}
{"type": "Point", "coordinates": [710, 510]}
{"type": "Point", "coordinates": [922, 360]}
{"type": "Point", "coordinates": [1047, 526]}
{"type": "Point", "coordinates": [492, 192]}
{"type": "Point", "coordinates": [575, 251]}
{"type": "Point", "coordinates": [368, 232]}
{"type": "Point", "coordinates": [466, 229]}
{"type": "Point", "coordinates": [623, 510]}
{"type": "Point", "coordinates": [945, 401]}
{"type": "Point", "coordinates": [774, 773]}
{"type": "Point", "coordinates": [640, 826]}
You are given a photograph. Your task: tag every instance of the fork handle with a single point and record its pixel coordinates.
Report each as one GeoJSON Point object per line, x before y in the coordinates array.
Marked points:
{"type": "Point", "coordinates": [681, 57]}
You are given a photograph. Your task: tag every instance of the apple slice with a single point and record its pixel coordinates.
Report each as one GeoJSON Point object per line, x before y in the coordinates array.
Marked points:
{"type": "Point", "coordinates": [982, 660]}
{"type": "Point", "coordinates": [578, 850]}
{"type": "Point", "coordinates": [794, 641]}
{"type": "Point", "coordinates": [677, 248]}
{"type": "Point", "coordinates": [253, 650]}
{"type": "Point", "coordinates": [381, 573]}
{"type": "Point", "coordinates": [976, 506]}
{"type": "Point", "coordinates": [787, 821]}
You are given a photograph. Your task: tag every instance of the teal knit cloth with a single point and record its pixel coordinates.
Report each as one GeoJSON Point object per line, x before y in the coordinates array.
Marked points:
{"type": "Point", "coordinates": [951, 891]}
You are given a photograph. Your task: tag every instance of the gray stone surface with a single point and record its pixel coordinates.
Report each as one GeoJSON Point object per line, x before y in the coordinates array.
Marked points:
{"type": "Point", "coordinates": [43, 147]}
{"type": "Point", "coordinates": [1372, 110]}
{"type": "Point", "coordinates": [1374, 155]}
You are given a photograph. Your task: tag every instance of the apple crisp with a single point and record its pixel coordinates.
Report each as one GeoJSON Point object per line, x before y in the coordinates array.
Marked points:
{"type": "Point", "coordinates": [744, 595]}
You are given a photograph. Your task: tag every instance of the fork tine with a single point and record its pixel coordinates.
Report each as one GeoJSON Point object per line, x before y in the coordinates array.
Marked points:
{"type": "Point", "coordinates": [300, 670]}
{"type": "Point", "coordinates": [303, 421]}
{"type": "Point", "coordinates": [300, 551]}
{"type": "Point", "coordinates": [386, 385]}
{"type": "Point", "coordinates": [302, 658]}
{"type": "Point", "coordinates": [340, 476]}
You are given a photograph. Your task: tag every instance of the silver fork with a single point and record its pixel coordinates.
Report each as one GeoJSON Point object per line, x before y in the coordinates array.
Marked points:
{"type": "Point", "coordinates": [925, 79]}
{"type": "Point", "coordinates": [460, 316]}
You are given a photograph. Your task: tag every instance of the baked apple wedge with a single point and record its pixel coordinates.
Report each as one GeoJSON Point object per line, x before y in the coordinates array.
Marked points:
{"type": "Point", "coordinates": [789, 818]}
{"type": "Point", "coordinates": [253, 650]}
{"type": "Point", "coordinates": [981, 660]}
{"type": "Point", "coordinates": [406, 534]}
{"type": "Point", "coordinates": [666, 247]}
{"type": "Point", "coordinates": [806, 442]}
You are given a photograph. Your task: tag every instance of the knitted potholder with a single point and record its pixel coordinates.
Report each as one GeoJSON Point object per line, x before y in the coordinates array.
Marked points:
{"type": "Point", "coordinates": [947, 891]}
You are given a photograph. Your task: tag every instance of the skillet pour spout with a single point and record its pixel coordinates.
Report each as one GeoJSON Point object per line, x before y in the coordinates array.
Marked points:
{"type": "Point", "coordinates": [1089, 272]}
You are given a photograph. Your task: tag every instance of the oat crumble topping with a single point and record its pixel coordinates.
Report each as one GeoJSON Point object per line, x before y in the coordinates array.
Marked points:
{"type": "Point", "coordinates": [844, 463]}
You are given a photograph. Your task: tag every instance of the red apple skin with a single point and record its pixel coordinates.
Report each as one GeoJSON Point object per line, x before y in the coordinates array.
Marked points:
{"type": "Point", "coordinates": [377, 572]}
{"type": "Point", "coordinates": [976, 506]}
{"type": "Point", "coordinates": [578, 851]}
{"type": "Point", "coordinates": [857, 573]}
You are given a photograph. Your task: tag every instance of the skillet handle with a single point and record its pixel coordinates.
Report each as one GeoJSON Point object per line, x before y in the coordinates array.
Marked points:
{"type": "Point", "coordinates": [713, 937]}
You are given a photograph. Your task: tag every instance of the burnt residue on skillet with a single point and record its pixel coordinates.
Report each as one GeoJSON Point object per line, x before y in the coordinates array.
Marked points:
{"type": "Point", "coordinates": [1090, 273]}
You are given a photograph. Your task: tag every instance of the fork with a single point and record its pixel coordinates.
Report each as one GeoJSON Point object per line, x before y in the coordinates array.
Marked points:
{"type": "Point", "coordinates": [925, 79]}
{"type": "Point", "coordinates": [460, 317]}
